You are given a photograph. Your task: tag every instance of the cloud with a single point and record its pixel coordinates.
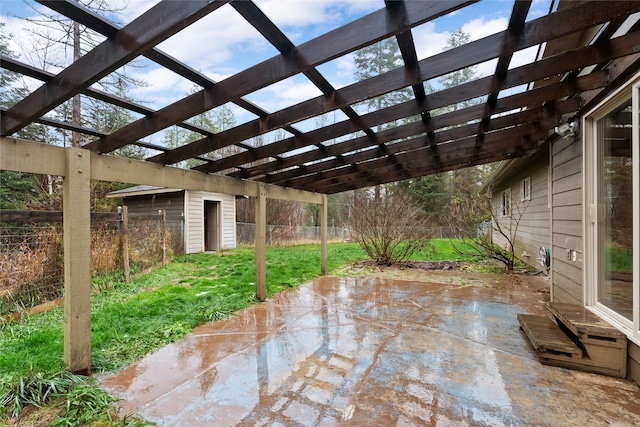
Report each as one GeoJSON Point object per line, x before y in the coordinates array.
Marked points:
{"type": "Point", "coordinates": [480, 27]}
{"type": "Point", "coordinates": [285, 93]}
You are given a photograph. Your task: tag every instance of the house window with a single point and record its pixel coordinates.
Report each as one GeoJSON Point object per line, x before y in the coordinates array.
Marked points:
{"type": "Point", "coordinates": [506, 203]}
{"type": "Point", "coordinates": [612, 218]}
{"type": "Point", "coordinates": [526, 189]}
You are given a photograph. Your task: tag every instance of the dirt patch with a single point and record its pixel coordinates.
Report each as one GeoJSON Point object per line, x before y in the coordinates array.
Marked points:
{"type": "Point", "coordinates": [447, 272]}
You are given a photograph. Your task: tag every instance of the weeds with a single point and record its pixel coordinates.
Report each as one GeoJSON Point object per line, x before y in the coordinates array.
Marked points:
{"type": "Point", "coordinates": [74, 400]}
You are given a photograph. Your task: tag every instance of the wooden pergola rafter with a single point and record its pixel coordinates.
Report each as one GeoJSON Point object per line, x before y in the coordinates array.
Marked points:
{"type": "Point", "coordinates": [303, 159]}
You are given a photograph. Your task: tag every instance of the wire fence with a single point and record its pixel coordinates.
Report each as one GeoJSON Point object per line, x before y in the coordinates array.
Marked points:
{"type": "Point", "coordinates": [32, 255]}
{"type": "Point", "coordinates": [291, 235]}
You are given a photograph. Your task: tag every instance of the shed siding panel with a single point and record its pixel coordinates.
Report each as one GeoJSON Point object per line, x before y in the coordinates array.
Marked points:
{"type": "Point", "coordinates": [172, 203]}
{"type": "Point", "coordinates": [196, 224]}
{"type": "Point", "coordinates": [566, 172]}
{"type": "Point", "coordinates": [533, 227]}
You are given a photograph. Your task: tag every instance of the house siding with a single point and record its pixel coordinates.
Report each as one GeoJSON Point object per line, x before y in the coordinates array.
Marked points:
{"type": "Point", "coordinates": [566, 222]}
{"type": "Point", "coordinates": [173, 205]}
{"type": "Point", "coordinates": [533, 227]}
{"type": "Point", "coordinates": [195, 227]}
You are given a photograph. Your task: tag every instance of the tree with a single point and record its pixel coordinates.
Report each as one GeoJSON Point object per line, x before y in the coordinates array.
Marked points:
{"type": "Point", "coordinates": [390, 229]}
{"type": "Point", "coordinates": [377, 59]}
{"type": "Point", "coordinates": [57, 41]}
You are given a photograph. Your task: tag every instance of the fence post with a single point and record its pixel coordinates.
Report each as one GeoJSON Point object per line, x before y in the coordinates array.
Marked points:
{"type": "Point", "coordinates": [125, 243]}
{"type": "Point", "coordinates": [164, 237]}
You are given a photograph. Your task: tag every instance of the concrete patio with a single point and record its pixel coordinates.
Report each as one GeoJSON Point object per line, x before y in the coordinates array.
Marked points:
{"type": "Point", "coordinates": [359, 351]}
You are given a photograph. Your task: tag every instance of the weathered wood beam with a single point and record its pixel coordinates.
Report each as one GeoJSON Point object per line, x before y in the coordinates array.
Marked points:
{"type": "Point", "coordinates": [13, 215]}
{"type": "Point", "coordinates": [32, 157]}
{"type": "Point", "coordinates": [101, 25]}
{"type": "Point", "coordinates": [470, 156]}
{"type": "Point", "coordinates": [46, 76]}
{"type": "Point", "coordinates": [323, 235]}
{"type": "Point", "coordinates": [327, 47]}
{"type": "Point", "coordinates": [77, 260]}
{"type": "Point", "coordinates": [514, 31]}
{"type": "Point", "coordinates": [159, 23]}
{"type": "Point", "coordinates": [397, 79]}
{"type": "Point", "coordinates": [533, 98]}
{"type": "Point", "coordinates": [507, 121]}
{"type": "Point", "coordinates": [432, 154]}
{"type": "Point", "coordinates": [261, 244]}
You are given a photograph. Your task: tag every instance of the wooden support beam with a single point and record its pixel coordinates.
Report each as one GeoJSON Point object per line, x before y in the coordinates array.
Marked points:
{"type": "Point", "coordinates": [261, 243]}
{"type": "Point", "coordinates": [325, 48]}
{"type": "Point", "coordinates": [323, 236]}
{"type": "Point", "coordinates": [560, 64]}
{"type": "Point", "coordinates": [535, 32]}
{"type": "Point", "coordinates": [157, 24]}
{"type": "Point", "coordinates": [77, 261]}
{"type": "Point", "coordinates": [33, 157]}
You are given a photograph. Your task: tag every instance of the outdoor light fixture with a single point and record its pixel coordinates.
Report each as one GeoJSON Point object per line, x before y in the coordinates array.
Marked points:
{"type": "Point", "coordinates": [567, 130]}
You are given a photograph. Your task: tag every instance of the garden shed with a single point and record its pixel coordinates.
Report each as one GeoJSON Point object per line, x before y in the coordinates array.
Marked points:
{"type": "Point", "coordinates": [197, 220]}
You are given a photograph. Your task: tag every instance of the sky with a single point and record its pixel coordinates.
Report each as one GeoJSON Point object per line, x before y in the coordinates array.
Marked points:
{"type": "Point", "coordinates": [233, 45]}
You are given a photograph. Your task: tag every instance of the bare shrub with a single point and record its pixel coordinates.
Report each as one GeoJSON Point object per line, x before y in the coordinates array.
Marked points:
{"type": "Point", "coordinates": [145, 240]}
{"type": "Point", "coordinates": [389, 228]}
{"type": "Point", "coordinates": [31, 271]}
{"type": "Point", "coordinates": [467, 216]}
{"type": "Point", "coordinates": [105, 248]}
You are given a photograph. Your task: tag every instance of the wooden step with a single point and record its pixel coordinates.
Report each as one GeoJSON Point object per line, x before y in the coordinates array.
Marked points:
{"type": "Point", "coordinates": [605, 347]}
{"type": "Point", "coordinates": [548, 339]}
{"type": "Point", "coordinates": [586, 326]}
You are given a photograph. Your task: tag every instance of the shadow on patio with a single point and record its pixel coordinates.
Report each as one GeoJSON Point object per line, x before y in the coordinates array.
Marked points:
{"type": "Point", "coordinates": [360, 351]}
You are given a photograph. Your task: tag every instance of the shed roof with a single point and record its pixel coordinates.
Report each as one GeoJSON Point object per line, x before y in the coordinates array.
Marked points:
{"type": "Point", "coordinates": [363, 150]}
{"type": "Point", "coordinates": [141, 190]}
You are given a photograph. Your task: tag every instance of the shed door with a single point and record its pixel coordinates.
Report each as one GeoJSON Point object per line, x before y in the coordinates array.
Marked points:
{"type": "Point", "coordinates": [211, 226]}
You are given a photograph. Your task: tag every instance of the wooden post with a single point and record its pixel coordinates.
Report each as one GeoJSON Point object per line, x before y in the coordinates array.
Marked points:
{"type": "Point", "coordinates": [125, 243]}
{"type": "Point", "coordinates": [164, 237]}
{"type": "Point", "coordinates": [323, 236]}
{"type": "Point", "coordinates": [261, 243]}
{"type": "Point", "coordinates": [77, 261]}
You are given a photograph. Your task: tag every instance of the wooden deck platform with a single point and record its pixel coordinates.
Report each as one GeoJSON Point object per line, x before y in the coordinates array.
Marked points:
{"type": "Point", "coordinates": [578, 339]}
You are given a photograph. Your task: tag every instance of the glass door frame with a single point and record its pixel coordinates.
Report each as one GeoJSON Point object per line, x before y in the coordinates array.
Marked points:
{"type": "Point", "coordinates": [593, 213]}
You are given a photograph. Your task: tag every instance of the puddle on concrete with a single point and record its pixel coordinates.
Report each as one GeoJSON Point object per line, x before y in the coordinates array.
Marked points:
{"type": "Point", "coordinates": [364, 351]}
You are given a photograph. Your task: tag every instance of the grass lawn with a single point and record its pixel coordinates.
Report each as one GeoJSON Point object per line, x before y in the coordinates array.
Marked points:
{"type": "Point", "coordinates": [162, 306]}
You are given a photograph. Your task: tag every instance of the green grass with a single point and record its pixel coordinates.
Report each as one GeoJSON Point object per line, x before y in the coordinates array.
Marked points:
{"type": "Point", "coordinates": [442, 250]}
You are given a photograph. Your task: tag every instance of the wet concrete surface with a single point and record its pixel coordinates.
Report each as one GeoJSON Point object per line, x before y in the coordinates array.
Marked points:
{"type": "Point", "coordinates": [361, 351]}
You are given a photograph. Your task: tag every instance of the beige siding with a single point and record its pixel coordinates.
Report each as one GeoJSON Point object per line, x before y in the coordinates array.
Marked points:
{"type": "Point", "coordinates": [566, 177]}
{"type": "Point", "coordinates": [195, 223]}
{"type": "Point", "coordinates": [533, 226]}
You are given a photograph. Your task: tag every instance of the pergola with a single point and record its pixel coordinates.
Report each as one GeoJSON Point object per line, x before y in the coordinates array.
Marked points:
{"type": "Point", "coordinates": [583, 39]}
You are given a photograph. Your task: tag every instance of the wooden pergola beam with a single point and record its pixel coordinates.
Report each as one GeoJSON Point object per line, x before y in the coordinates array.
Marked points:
{"type": "Point", "coordinates": [428, 68]}
{"type": "Point", "coordinates": [159, 23]}
{"type": "Point", "coordinates": [331, 45]}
